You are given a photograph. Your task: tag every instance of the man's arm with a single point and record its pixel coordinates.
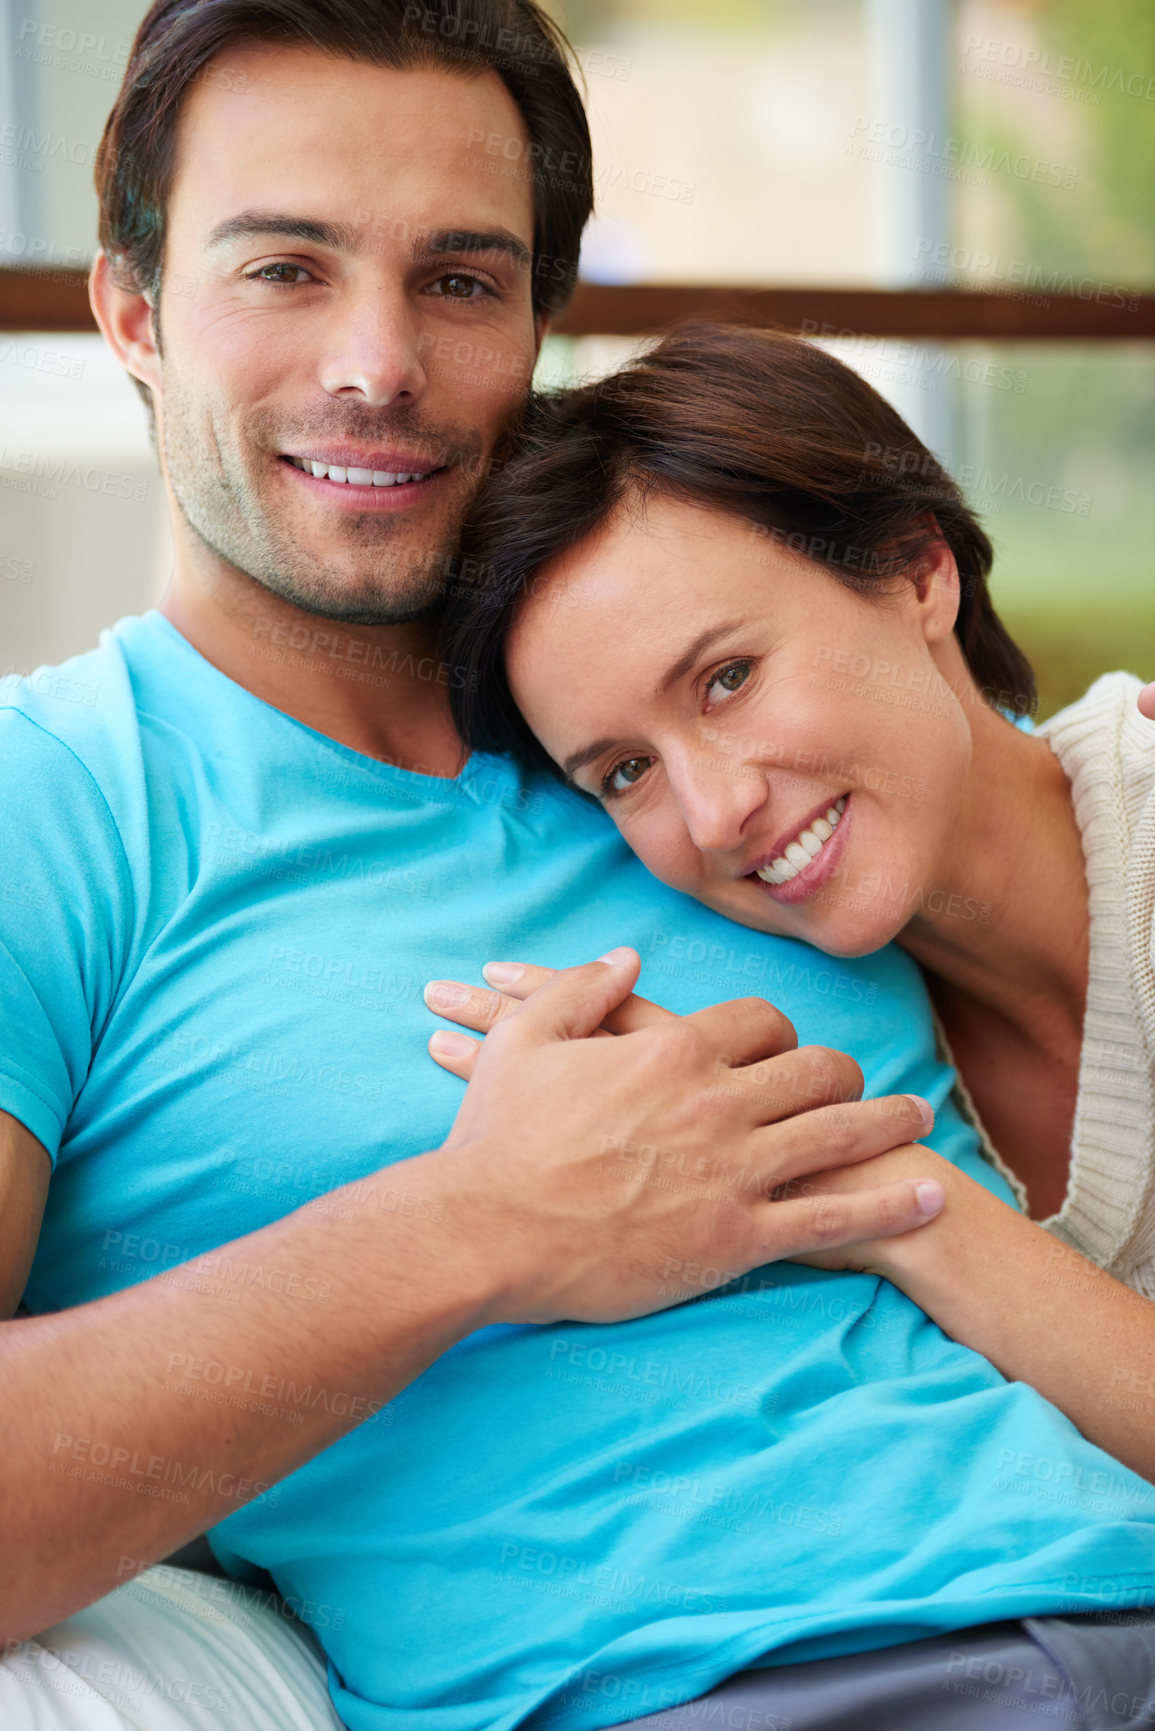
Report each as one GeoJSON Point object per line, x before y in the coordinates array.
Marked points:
{"type": "Point", "coordinates": [108, 1466]}
{"type": "Point", "coordinates": [526, 1220]}
{"type": "Point", "coordinates": [24, 1173]}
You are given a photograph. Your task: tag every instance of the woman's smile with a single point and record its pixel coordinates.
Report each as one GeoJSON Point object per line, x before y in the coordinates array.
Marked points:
{"type": "Point", "coordinates": [803, 861]}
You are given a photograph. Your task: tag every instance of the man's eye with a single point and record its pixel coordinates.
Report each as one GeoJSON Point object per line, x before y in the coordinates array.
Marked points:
{"type": "Point", "coordinates": [626, 774]}
{"type": "Point", "coordinates": [459, 287]}
{"type": "Point", "coordinates": [729, 680]}
{"type": "Point", "coordinates": [284, 275]}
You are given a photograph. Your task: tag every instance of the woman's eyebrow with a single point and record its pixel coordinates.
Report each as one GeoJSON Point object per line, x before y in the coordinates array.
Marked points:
{"type": "Point", "coordinates": [704, 640]}
{"type": "Point", "coordinates": [586, 755]}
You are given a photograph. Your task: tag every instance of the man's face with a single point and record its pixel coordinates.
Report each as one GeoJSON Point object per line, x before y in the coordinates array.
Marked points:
{"type": "Point", "coordinates": [346, 289]}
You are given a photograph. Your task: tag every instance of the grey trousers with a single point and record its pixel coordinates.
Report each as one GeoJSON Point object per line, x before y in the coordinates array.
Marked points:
{"type": "Point", "coordinates": [1085, 1673]}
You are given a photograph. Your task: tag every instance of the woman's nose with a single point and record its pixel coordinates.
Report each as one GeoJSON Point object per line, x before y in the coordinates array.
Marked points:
{"type": "Point", "coordinates": [718, 794]}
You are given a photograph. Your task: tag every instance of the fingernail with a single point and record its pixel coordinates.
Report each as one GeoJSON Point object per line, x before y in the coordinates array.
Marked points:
{"type": "Point", "coordinates": [613, 957]}
{"type": "Point", "coordinates": [502, 973]}
{"type": "Point", "coordinates": [931, 1197]}
{"type": "Point", "coordinates": [924, 1109]}
{"type": "Point", "coordinates": [448, 1045]}
{"type": "Point", "coordinates": [443, 995]}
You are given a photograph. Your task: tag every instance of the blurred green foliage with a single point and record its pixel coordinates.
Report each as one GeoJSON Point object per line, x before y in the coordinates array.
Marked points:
{"type": "Point", "coordinates": [1077, 587]}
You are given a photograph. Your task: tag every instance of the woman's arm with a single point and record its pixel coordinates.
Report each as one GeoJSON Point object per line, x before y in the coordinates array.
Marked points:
{"type": "Point", "coordinates": [1041, 1312]}
{"type": "Point", "coordinates": [989, 1277]}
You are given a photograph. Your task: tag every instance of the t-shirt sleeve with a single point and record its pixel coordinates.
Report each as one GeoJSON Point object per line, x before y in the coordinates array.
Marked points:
{"type": "Point", "coordinates": [65, 924]}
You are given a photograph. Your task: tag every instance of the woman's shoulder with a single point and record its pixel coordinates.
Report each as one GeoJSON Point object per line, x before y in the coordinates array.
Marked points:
{"type": "Point", "coordinates": [1107, 750]}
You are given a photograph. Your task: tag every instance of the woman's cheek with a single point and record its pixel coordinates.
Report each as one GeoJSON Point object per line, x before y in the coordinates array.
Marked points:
{"type": "Point", "coordinates": [661, 841]}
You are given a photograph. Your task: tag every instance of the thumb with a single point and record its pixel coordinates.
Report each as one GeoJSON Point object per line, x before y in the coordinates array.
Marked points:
{"type": "Point", "coordinates": [1146, 702]}
{"type": "Point", "coordinates": [575, 1003]}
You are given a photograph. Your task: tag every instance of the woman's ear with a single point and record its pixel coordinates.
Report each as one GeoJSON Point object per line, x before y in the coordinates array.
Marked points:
{"type": "Point", "coordinates": [127, 323]}
{"type": "Point", "coordinates": [935, 580]}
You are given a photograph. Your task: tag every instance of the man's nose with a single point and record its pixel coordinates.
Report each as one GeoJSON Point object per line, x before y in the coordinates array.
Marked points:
{"type": "Point", "coordinates": [718, 793]}
{"type": "Point", "coordinates": [375, 351]}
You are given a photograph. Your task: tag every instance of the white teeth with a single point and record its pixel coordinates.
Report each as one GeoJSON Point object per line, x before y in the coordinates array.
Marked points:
{"type": "Point", "coordinates": [805, 847]}
{"type": "Point", "coordinates": [352, 477]}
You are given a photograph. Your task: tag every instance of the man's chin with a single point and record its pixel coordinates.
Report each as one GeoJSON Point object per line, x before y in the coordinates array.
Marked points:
{"type": "Point", "coordinates": [355, 603]}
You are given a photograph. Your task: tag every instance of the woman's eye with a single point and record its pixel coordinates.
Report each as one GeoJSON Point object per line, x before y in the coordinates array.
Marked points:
{"type": "Point", "coordinates": [626, 774]}
{"type": "Point", "coordinates": [730, 679]}
{"type": "Point", "coordinates": [285, 275]}
{"type": "Point", "coordinates": [459, 287]}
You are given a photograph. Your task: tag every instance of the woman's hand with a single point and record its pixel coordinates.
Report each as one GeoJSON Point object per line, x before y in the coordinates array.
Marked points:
{"type": "Point", "coordinates": [514, 982]}
{"type": "Point", "coordinates": [893, 1257]}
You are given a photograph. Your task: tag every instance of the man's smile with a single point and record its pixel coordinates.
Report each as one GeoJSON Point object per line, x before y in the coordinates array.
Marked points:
{"type": "Point", "coordinates": [380, 480]}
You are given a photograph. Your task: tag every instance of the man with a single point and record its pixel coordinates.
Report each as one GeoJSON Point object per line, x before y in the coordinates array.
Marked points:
{"type": "Point", "coordinates": [248, 838]}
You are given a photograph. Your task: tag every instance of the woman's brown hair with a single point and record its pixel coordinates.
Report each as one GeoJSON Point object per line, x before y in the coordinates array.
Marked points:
{"type": "Point", "coordinates": [755, 423]}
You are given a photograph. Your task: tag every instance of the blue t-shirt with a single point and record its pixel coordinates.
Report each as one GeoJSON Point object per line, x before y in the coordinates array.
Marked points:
{"type": "Point", "coordinates": [215, 925]}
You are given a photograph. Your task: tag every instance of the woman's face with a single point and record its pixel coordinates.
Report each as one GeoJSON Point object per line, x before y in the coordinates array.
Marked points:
{"type": "Point", "coordinates": [786, 750]}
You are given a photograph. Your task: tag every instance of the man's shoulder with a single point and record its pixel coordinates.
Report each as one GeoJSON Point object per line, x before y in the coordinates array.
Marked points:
{"type": "Point", "coordinates": [77, 700]}
{"type": "Point", "coordinates": [69, 732]}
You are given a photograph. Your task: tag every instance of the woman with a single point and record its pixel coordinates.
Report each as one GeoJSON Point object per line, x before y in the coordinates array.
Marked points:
{"type": "Point", "coordinates": [732, 596]}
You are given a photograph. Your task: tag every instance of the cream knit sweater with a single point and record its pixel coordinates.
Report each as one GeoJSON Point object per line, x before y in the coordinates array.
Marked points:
{"type": "Point", "coordinates": [1108, 752]}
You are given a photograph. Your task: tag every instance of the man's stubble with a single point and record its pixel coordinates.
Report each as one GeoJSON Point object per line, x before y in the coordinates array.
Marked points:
{"type": "Point", "coordinates": [390, 570]}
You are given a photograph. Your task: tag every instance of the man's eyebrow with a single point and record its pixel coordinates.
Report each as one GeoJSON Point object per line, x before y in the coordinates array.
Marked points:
{"type": "Point", "coordinates": [677, 670]}
{"type": "Point", "coordinates": [456, 240]}
{"type": "Point", "coordinates": [282, 225]}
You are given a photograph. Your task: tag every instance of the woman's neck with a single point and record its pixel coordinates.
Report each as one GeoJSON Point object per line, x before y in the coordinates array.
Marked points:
{"type": "Point", "coordinates": [1010, 986]}
{"type": "Point", "coordinates": [1014, 848]}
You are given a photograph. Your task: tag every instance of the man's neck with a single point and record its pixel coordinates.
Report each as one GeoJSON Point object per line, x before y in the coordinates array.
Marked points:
{"type": "Point", "coordinates": [378, 689]}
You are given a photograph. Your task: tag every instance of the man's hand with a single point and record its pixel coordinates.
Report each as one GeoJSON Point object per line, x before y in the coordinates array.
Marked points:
{"type": "Point", "coordinates": [592, 1172]}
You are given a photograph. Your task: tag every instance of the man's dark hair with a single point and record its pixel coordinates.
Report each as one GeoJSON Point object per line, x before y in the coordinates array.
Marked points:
{"type": "Point", "coordinates": [514, 38]}
{"type": "Point", "coordinates": [757, 424]}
